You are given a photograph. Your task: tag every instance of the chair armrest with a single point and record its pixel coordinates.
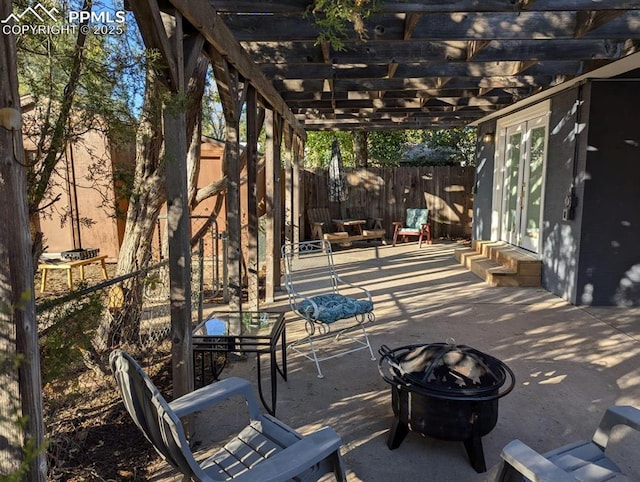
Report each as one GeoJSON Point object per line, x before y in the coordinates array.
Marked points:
{"type": "Point", "coordinates": [215, 393]}
{"type": "Point", "coordinates": [616, 415]}
{"type": "Point", "coordinates": [294, 459]}
{"type": "Point", "coordinates": [304, 314]}
{"type": "Point", "coordinates": [532, 465]}
{"type": "Point", "coordinates": [351, 285]}
{"type": "Point", "coordinates": [396, 223]}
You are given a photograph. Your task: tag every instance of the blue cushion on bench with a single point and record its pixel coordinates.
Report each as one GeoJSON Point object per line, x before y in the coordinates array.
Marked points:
{"type": "Point", "coordinates": [333, 307]}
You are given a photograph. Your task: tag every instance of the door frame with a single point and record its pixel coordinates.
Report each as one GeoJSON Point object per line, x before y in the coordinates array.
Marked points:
{"type": "Point", "coordinates": [542, 109]}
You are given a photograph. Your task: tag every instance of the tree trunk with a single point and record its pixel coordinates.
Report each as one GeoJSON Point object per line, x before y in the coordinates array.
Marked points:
{"type": "Point", "coordinates": [147, 197]}
{"type": "Point", "coordinates": [361, 148]}
{"type": "Point", "coordinates": [146, 201]}
{"type": "Point", "coordinates": [20, 390]}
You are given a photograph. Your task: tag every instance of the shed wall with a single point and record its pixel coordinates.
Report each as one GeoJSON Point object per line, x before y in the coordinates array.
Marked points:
{"type": "Point", "coordinates": [594, 257]}
{"type": "Point", "coordinates": [561, 238]}
{"type": "Point", "coordinates": [609, 269]}
{"type": "Point", "coordinates": [483, 183]}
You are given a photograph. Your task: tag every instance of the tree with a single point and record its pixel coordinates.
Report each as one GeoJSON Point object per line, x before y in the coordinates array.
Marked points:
{"type": "Point", "coordinates": [387, 148]}
{"type": "Point", "coordinates": [318, 148]}
{"type": "Point", "coordinates": [75, 80]}
{"type": "Point", "coordinates": [148, 194]}
{"type": "Point", "coordinates": [361, 148]}
{"type": "Point", "coordinates": [394, 148]}
{"type": "Point", "coordinates": [333, 16]}
{"type": "Point", "coordinates": [459, 143]}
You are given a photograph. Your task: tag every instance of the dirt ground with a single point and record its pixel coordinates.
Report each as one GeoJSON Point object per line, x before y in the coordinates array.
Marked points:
{"type": "Point", "coordinates": [90, 436]}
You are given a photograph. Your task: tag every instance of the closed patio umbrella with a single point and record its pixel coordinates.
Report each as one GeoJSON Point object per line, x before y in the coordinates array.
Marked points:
{"type": "Point", "coordinates": [338, 191]}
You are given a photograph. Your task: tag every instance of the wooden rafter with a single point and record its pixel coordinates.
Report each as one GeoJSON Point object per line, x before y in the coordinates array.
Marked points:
{"type": "Point", "coordinates": [206, 20]}
{"type": "Point", "coordinates": [153, 26]}
{"type": "Point", "coordinates": [425, 54]}
{"type": "Point", "coordinates": [590, 20]}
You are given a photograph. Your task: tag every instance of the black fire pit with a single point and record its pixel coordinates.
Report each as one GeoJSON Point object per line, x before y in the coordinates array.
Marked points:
{"type": "Point", "coordinates": [446, 391]}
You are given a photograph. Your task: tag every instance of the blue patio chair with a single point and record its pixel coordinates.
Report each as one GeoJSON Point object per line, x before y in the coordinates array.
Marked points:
{"type": "Point", "coordinates": [416, 224]}
{"type": "Point", "coordinates": [330, 306]}
{"type": "Point", "coordinates": [583, 461]}
{"type": "Point", "coordinates": [265, 450]}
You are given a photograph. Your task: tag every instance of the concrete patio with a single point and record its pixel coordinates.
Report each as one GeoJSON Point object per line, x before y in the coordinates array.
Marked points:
{"type": "Point", "coordinates": [570, 363]}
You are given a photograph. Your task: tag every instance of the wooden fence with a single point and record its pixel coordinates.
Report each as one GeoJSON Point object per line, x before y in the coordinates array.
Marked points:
{"type": "Point", "coordinates": [387, 192]}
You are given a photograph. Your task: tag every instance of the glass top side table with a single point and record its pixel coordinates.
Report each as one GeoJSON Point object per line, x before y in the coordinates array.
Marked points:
{"type": "Point", "coordinates": [263, 332]}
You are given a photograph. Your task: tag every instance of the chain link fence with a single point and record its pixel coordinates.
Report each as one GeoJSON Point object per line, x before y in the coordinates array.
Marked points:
{"type": "Point", "coordinates": [212, 246]}
{"type": "Point", "coordinates": [88, 434]}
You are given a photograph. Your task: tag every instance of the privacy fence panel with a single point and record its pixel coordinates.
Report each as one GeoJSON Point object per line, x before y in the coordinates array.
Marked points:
{"type": "Point", "coordinates": [387, 192]}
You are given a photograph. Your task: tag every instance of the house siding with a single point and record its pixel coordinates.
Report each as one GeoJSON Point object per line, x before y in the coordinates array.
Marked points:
{"type": "Point", "coordinates": [483, 185]}
{"type": "Point", "coordinates": [609, 267]}
{"type": "Point", "coordinates": [561, 238]}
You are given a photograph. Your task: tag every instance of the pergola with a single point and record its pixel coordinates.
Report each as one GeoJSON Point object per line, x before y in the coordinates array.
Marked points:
{"type": "Point", "coordinates": [428, 64]}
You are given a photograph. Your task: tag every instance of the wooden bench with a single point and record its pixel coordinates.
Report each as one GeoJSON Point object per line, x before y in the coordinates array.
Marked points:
{"type": "Point", "coordinates": [346, 230]}
{"type": "Point", "coordinates": [345, 239]}
{"type": "Point", "coordinates": [320, 222]}
{"type": "Point", "coordinates": [58, 263]}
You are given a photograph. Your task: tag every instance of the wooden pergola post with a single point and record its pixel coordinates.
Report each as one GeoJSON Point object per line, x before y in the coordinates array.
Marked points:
{"type": "Point", "coordinates": [273, 199]}
{"type": "Point", "coordinates": [234, 237]}
{"type": "Point", "coordinates": [232, 96]}
{"type": "Point", "coordinates": [20, 390]}
{"type": "Point", "coordinates": [252, 200]}
{"type": "Point", "coordinates": [288, 185]}
{"type": "Point", "coordinates": [297, 190]}
{"type": "Point", "coordinates": [178, 222]}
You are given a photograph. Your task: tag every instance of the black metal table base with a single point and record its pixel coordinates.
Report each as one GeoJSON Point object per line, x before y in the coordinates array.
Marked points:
{"type": "Point", "coordinates": [216, 350]}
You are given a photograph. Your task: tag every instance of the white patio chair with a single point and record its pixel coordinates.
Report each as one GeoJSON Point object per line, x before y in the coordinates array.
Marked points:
{"type": "Point", "coordinates": [583, 461]}
{"type": "Point", "coordinates": [330, 306]}
{"type": "Point", "coordinates": [265, 450]}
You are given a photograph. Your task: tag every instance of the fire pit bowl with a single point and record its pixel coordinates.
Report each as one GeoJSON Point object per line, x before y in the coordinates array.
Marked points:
{"type": "Point", "coordinates": [446, 391]}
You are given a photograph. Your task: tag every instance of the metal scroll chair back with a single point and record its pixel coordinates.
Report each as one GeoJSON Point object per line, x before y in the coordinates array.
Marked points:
{"type": "Point", "coordinates": [309, 269]}
{"type": "Point", "coordinates": [323, 299]}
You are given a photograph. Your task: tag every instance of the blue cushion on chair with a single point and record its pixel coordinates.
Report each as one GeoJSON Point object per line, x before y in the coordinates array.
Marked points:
{"type": "Point", "coordinates": [416, 218]}
{"type": "Point", "coordinates": [333, 307]}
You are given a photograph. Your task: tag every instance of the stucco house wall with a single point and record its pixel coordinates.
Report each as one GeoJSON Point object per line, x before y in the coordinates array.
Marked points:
{"type": "Point", "coordinates": [79, 211]}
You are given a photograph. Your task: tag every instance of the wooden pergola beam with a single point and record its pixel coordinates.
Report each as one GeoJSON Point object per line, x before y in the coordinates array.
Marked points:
{"type": "Point", "coordinates": [204, 18]}
{"type": "Point", "coordinates": [452, 6]}
{"type": "Point", "coordinates": [153, 28]}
